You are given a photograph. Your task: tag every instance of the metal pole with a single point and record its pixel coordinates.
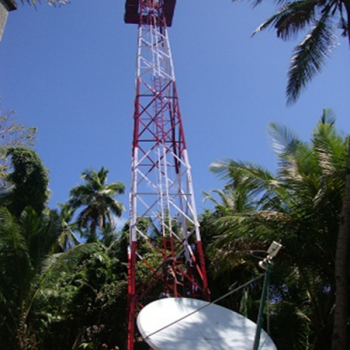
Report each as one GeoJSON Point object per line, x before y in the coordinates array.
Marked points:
{"type": "Point", "coordinates": [262, 304]}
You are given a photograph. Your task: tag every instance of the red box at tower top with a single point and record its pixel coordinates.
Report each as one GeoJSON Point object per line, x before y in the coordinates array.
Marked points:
{"type": "Point", "coordinates": [132, 11]}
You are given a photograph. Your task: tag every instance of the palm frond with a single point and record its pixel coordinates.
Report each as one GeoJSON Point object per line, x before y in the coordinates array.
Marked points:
{"type": "Point", "coordinates": [328, 116]}
{"type": "Point", "coordinates": [10, 233]}
{"type": "Point", "coordinates": [255, 183]}
{"type": "Point", "coordinates": [228, 196]}
{"type": "Point", "coordinates": [269, 22]}
{"type": "Point", "coordinates": [14, 257]}
{"type": "Point", "coordinates": [41, 233]}
{"type": "Point", "coordinates": [114, 188]}
{"type": "Point", "coordinates": [282, 138]}
{"type": "Point", "coordinates": [230, 170]}
{"type": "Point", "coordinates": [329, 145]}
{"type": "Point", "coordinates": [290, 19]}
{"type": "Point", "coordinates": [298, 161]}
{"type": "Point", "coordinates": [309, 57]}
{"type": "Point", "coordinates": [67, 239]}
{"type": "Point", "coordinates": [66, 212]}
{"type": "Point", "coordinates": [209, 197]}
{"type": "Point", "coordinates": [53, 265]}
{"type": "Point", "coordinates": [258, 2]}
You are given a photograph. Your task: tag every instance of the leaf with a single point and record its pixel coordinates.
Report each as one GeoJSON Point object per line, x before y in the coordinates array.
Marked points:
{"type": "Point", "coordinates": [309, 57]}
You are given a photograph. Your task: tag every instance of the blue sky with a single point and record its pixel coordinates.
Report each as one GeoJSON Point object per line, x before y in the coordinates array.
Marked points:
{"type": "Point", "coordinates": [70, 71]}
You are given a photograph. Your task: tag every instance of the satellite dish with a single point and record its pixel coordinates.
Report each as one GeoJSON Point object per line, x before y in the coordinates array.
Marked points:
{"type": "Point", "coordinates": [175, 323]}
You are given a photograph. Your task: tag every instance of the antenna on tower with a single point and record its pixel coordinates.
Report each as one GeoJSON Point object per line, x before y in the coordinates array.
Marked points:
{"type": "Point", "coordinates": [165, 254]}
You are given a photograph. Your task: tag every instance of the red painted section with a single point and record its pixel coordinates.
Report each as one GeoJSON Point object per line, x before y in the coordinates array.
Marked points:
{"type": "Point", "coordinates": [136, 117]}
{"type": "Point", "coordinates": [206, 292]}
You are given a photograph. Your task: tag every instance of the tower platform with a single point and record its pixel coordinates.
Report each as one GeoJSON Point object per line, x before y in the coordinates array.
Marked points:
{"type": "Point", "coordinates": [132, 11]}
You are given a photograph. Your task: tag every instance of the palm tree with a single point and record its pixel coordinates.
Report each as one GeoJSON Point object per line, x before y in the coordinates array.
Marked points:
{"type": "Point", "coordinates": [228, 261]}
{"type": "Point", "coordinates": [323, 18]}
{"type": "Point", "coordinates": [67, 238]}
{"type": "Point", "coordinates": [29, 274]}
{"type": "Point", "coordinates": [300, 205]}
{"type": "Point", "coordinates": [232, 201]}
{"type": "Point", "coordinates": [339, 339]}
{"type": "Point", "coordinates": [25, 246]}
{"type": "Point", "coordinates": [96, 199]}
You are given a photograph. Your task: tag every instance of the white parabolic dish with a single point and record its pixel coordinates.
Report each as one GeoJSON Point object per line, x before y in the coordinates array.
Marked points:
{"type": "Point", "coordinates": [211, 328]}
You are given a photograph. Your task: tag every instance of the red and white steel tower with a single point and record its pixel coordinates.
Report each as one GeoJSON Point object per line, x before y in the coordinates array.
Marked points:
{"type": "Point", "coordinates": [165, 251]}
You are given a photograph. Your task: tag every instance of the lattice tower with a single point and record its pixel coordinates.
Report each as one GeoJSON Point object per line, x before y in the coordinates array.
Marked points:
{"type": "Point", "coordinates": [165, 253]}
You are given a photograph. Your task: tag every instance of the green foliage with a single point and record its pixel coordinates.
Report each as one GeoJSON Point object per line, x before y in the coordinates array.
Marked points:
{"type": "Point", "coordinates": [96, 198]}
{"type": "Point", "coordinates": [63, 300]}
{"type": "Point", "coordinates": [25, 245]}
{"type": "Point", "coordinates": [299, 206]}
{"type": "Point", "coordinates": [68, 238]}
{"type": "Point", "coordinates": [88, 305]}
{"type": "Point", "coordinates": [12, 134]}
{"type": "Point", "coordinates": [57, 300]}
{"type": "Point", "coordinates": [29, 182]}
{"type": "Point", "coordinates": [296, 16]}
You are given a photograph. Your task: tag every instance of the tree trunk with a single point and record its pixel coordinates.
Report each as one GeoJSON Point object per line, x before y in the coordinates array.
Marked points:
{"type": "Point", "coordinates": [341, 299]}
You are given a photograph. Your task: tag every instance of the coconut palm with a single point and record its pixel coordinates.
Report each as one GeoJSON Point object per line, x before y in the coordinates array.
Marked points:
{"type": "Point", "coordinates": [67, 238]}
{"type": "Point", "coordinates": [25, 246]}
{"type": "Point", "coordinates": [29, 271]}
{"type": "Point", "coordinates": [322, 19]}
{"type": "Point", "coordinates": [339, 339]}
{"type": "Point", "coordinates": [301, 206]}
{"type": "Point", "coordinates": [231, 201]}
{"type": "Point", "coordinates": [96, 198]}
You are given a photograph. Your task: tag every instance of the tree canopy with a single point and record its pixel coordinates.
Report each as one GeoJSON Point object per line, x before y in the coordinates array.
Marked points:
{"type": "Point", "coordinates": [96, 200]}
{"type": "Point", "coordinates": [28, 181]}
{"type": "Point", "coordinates": [12, 134]}
{"type": "Point", "coordinates": [299, 206]}
{"type": "Point", "coordinates": [319, 21]}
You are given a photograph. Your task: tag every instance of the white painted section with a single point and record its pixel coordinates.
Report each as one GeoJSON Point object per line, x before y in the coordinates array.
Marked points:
{"type": "Point", "coordinates": [175, 323]}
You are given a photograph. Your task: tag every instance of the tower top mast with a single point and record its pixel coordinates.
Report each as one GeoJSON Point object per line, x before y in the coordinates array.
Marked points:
{"type": "Point", "coordinates": [132, 10]}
